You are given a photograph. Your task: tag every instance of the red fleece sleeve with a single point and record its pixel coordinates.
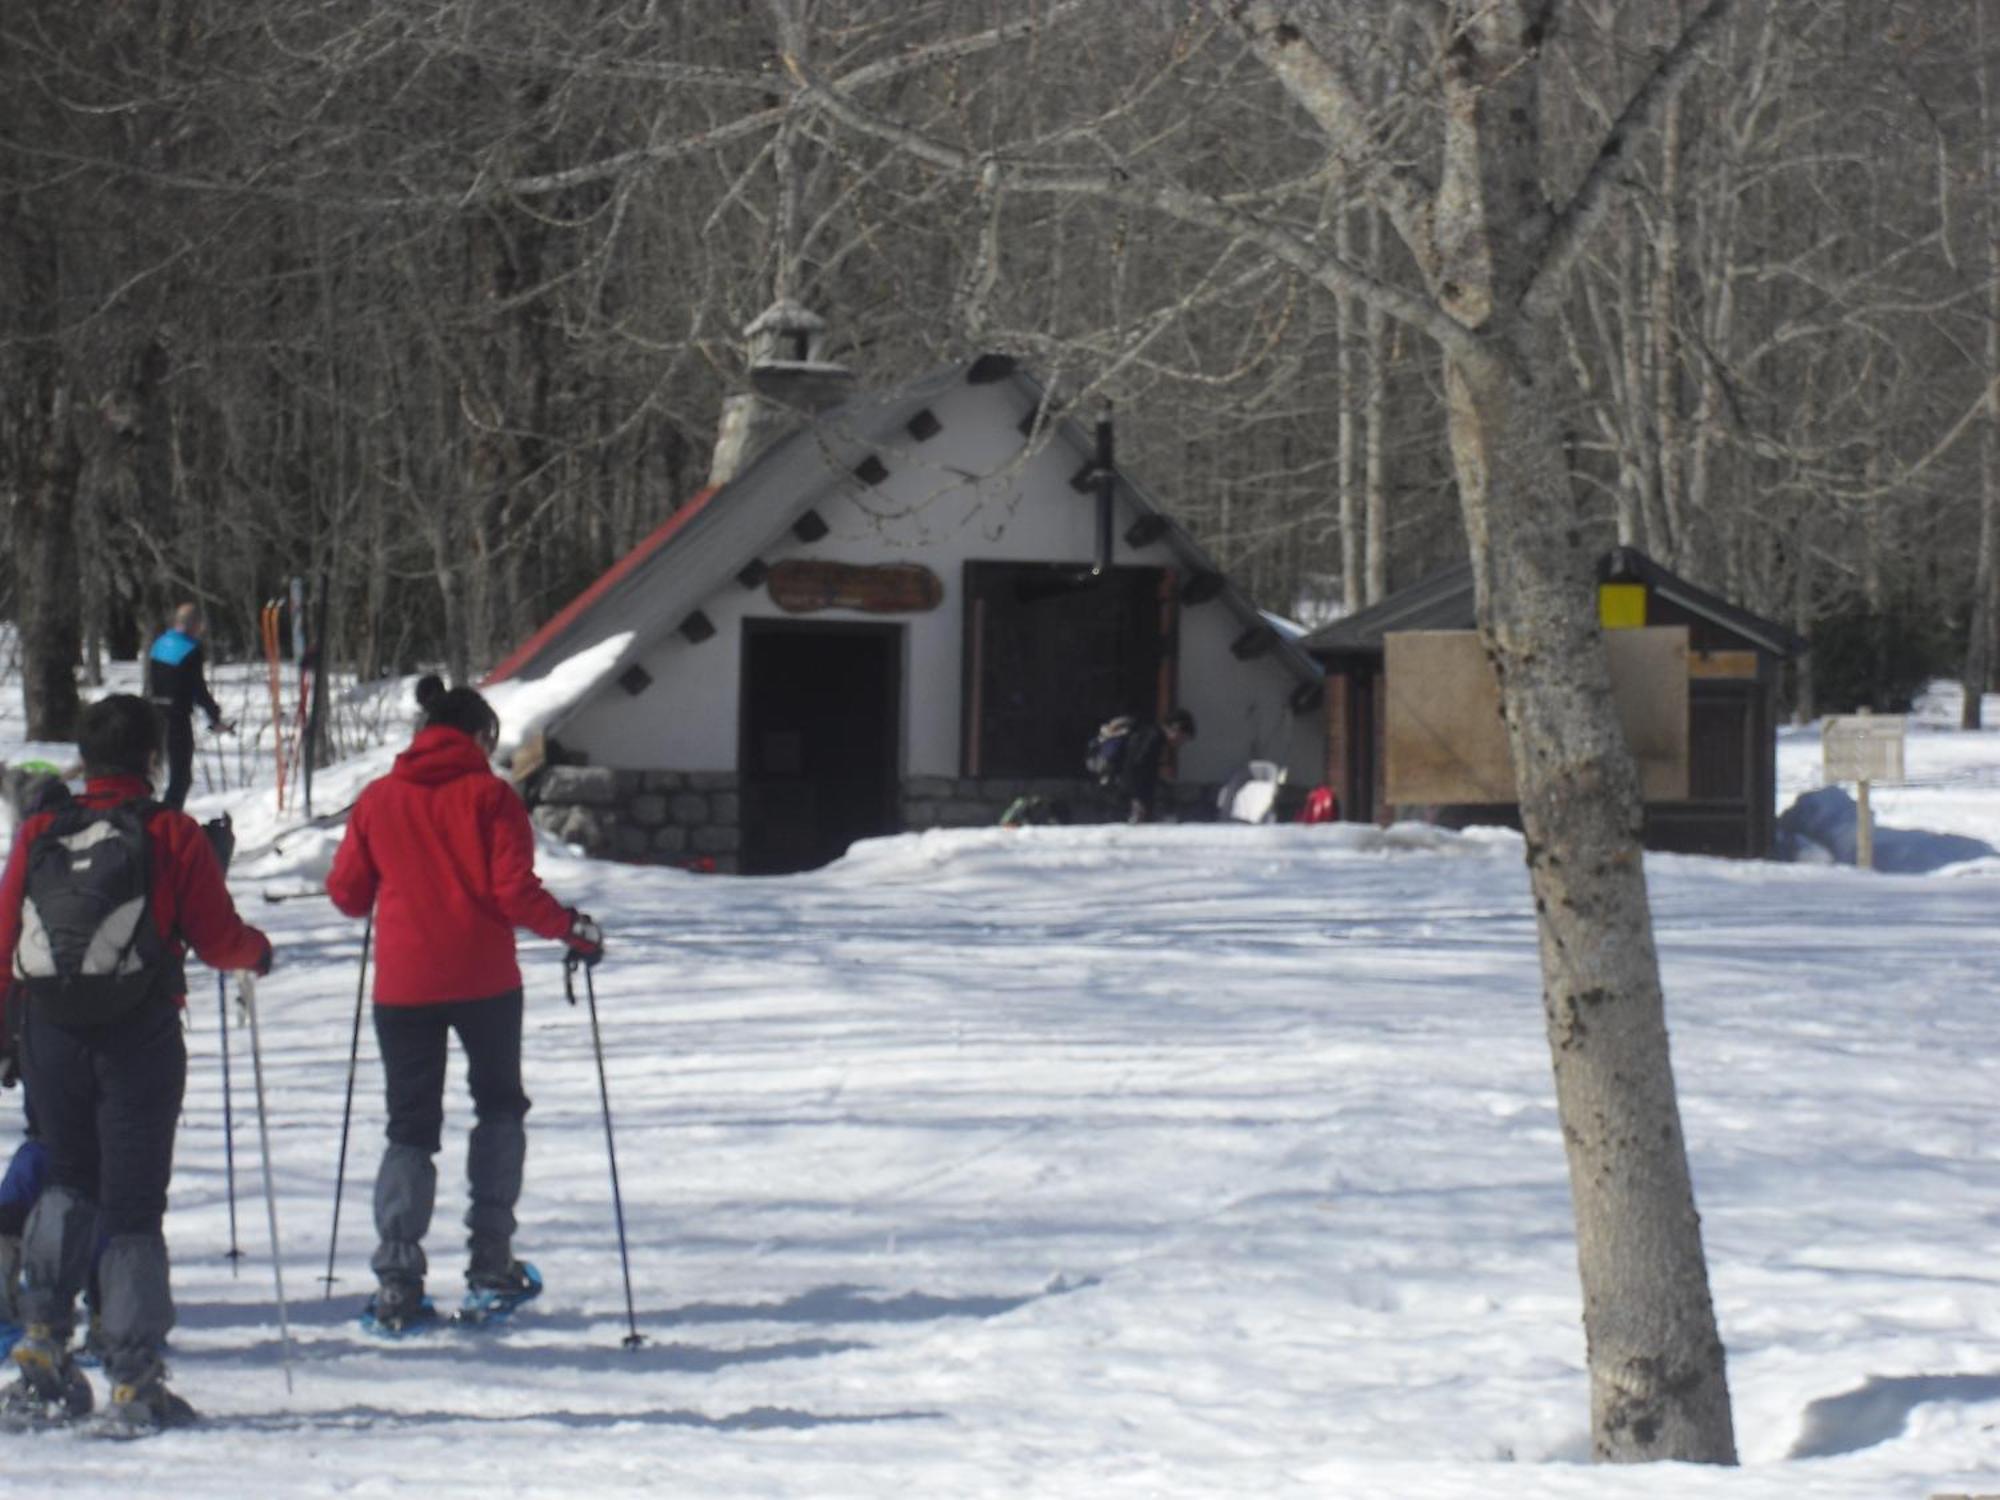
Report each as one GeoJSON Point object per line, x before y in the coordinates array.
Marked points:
{"type": "Point", "coordinates": [519, 891]}
{"type": "Point", "coordinates": [203, 912]}
{"type": "Point", "coordinates": [13, 887]}
{"type": "Point", "coordinates": [353, 880]}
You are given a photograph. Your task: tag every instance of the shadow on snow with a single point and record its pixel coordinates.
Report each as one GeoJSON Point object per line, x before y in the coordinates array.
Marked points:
{"type": "Point", "coordinates": [1878, 1410]}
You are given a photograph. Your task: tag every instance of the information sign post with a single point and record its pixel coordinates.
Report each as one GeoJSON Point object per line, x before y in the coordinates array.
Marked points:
{"type": "Point", "coordinates": [1866, 750]}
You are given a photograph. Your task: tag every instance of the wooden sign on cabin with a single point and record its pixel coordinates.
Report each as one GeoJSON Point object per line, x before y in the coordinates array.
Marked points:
{"type": "Point", "coordinates": [1446, 744]}
{"type": "Point", "coordinates": [803, 586]}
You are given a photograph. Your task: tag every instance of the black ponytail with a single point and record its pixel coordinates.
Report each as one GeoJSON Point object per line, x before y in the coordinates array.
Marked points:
{"type": "Point", "coordinates": [459, 708]}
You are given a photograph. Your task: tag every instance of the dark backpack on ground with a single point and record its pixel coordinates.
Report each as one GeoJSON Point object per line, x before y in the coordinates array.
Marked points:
{"type": "Point", "coordinates": [1104, 756]}
{"type": "Point", "coordinates": [89, 950]}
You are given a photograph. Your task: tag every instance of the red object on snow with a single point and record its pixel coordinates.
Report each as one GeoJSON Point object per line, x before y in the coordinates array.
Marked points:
{"type": "Point", "coordinates": [1321, 806]}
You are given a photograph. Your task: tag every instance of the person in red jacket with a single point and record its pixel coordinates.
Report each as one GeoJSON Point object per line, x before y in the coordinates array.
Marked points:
{"type": "Point", "coordinates": [103, 1060]}
{"type": "Point", "coordinates": [442, 850]}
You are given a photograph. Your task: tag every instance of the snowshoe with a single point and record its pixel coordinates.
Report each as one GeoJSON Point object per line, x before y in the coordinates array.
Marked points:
{"type": "Point", "coordinates": [52, 1391]}
{"type": "Point", "coordinates": [491, 1297]}
{"type": "Point", "coordinates": [399, 1310]}
{"type": "Point", "coordinates": [142, 1408]}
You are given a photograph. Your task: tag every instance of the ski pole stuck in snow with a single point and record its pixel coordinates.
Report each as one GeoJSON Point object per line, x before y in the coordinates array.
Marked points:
{"type": "Point", "coordinates": [347, 1107]}
{"type": "Point", "coordinates": [228, 1119]}
{"type": "Point", "coordinates": [247, 989]}
{"type": "Point", "coordinates": [633, 1339]}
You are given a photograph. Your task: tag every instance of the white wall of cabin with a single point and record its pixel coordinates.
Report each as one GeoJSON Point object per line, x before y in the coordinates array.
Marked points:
{"type": "Point", "coordinates": [931, 511]}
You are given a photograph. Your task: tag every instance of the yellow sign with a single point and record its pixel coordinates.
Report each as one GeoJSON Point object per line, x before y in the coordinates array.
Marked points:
{"type": "Point", "coordinates": [1621, 606]}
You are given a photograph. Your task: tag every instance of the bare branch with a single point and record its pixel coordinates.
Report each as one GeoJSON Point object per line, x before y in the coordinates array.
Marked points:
{"type": "Point", "coordinates": [1113, 185]}
{"type": "Point", "coordinates": [1320, 87]}
{"type": "Point", "coordinates": [1585, 211]}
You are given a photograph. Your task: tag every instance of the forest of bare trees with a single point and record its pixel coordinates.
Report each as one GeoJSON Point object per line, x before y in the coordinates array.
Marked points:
{"type": "Point", "coordinates": [435, 301]}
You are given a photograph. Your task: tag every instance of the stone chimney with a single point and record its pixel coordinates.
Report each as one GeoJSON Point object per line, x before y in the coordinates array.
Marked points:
{"type": "Point", "coordinates": [790, 379]}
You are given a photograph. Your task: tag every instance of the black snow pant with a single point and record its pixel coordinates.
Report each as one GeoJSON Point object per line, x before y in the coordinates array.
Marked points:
{"type": "Point", "coordinates": [180, 758]}
{"type": "Point", "coordinates": [107, 1099]}
{"type": "Point", "coordinates": [414, 1039]}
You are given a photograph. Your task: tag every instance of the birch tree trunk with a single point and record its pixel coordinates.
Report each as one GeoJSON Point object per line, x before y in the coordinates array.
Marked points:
{"type": "Point", "coordinates": [1980, 624]}
{"type": "Point", "coordinates": [1494, 257]}
{"type": "Point", "coordinates": [1375, 464]}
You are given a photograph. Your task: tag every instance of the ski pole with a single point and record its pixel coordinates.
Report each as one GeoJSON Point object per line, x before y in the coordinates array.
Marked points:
{"type": "Point", "coordinates": [228, 1119]}
{"type": "Point", "coordinates": [247, 988]}
{"type": "Point", "coordinates": [347, 1109]}
{"type": "Point", "coordinates": [571, 963]}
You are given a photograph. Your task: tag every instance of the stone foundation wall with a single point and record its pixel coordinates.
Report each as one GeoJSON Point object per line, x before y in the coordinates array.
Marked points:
{"type": "Point", "coordinates": [690, 817]}
{"type": "Point", "coordinates": [643, 817]}
{"type": "Point", "coordinates": [978, 802]}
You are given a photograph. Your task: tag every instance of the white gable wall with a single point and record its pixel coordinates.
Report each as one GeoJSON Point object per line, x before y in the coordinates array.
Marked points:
{"type": "Point", "coordinates": [930, 511]}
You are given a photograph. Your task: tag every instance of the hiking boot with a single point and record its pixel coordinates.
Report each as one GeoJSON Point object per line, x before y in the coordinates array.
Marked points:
{"type": "Point", "coordinates": [399, 1307]}
{"type": "Point", "coordinates": [512, 1279]}
{"type": "Point", "coordinates": [51, 1389]}
{"type": "Point", "coordinates": [143, 1406]}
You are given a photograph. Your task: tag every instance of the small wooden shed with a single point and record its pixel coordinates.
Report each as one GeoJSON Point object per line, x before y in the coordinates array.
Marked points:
{"type": "Point", "coordinates": [1734, 659]}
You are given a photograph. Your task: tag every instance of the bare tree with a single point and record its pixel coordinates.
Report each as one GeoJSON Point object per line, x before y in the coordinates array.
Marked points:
{"type": "Point", "coordinates": [1464, 178]}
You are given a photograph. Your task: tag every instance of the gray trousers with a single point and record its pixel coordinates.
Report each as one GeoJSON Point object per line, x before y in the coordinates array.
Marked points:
{"type": "Point", "coordinates": [414, 1040]}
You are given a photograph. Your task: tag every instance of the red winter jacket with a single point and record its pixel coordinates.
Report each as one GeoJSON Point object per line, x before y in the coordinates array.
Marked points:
{"type": "Point", "coordinates": [442, 849]}
{"type": "Point", "coordinates": [191, 905]}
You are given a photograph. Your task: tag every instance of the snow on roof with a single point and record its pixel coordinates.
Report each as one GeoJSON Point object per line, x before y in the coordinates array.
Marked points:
{"type": "Point", "coordinates": [526, 707]}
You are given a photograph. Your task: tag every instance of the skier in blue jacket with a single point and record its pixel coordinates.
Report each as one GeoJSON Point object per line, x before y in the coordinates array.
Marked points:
{"type": "Point", "coordinates": [175, 683]}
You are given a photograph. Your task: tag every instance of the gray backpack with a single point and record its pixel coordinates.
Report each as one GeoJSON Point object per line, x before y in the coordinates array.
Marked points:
{"type": "Point", "coordinates": [89, 949]}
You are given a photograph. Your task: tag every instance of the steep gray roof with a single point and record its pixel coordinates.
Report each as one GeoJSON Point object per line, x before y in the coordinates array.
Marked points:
{"type": "Point", "coordinates": [654, 588]}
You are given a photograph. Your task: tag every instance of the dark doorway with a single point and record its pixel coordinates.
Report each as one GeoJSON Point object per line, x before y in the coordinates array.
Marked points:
{"type": "Point", "coordinates": [821, 729]}
{"type": "Point", "coordinates": [1050, 655]}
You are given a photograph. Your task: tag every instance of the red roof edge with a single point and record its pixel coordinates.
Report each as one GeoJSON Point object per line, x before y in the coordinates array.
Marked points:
{"type": "Point", "coordinates": [573, 611]}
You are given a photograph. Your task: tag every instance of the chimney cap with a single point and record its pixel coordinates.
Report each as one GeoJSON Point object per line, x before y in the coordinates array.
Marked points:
{"type": "Point", "coordinates": [785, 316]}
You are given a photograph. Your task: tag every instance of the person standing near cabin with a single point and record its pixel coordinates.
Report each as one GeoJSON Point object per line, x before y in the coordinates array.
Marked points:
{"type": "Point", "coordinates": [98, 902]}
{"type": "Point", "coordinates": [1140, 766]}
{"type": "Point", "coordinates": [442, 851]}
{"type": "Point", "coordinates": [176, 685]}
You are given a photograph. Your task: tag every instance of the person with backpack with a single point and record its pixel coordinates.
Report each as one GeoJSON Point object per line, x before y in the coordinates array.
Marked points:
{"type": "Point", "coordinates": [176, 685]}
{"type": "Point", "coordinates": [99, 901]}
{"type": "Point", "coordinates": [1126, 758]}
{"type": "Point", "coordinates": [442, 851]}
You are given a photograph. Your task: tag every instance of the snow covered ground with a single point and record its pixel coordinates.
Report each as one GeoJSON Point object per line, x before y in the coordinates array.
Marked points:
{"type": "Point", "coordinates": [1191, 1161]}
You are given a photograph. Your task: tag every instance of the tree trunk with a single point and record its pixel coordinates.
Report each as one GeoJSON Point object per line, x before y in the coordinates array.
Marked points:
{"type": "Point", "coordinates": [44, 462]}
{"type": "Point", "coordinates": [1980, 624]}
{"type": "Point", "coordinates": [1374, 486]}
{"type": "Point", "coordinates": [48, 582]}
{"type": "Point", "coordinates": [1353, 582]}
{"type": "Point", "coordinates": [1658, 1387]}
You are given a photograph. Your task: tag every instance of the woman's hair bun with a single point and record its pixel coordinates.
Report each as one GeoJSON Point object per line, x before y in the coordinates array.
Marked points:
{"type": "Point", "coordinates": [430, 691]}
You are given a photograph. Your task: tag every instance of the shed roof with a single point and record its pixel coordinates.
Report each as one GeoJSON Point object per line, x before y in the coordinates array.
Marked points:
{"type": "Point", "coordinates": [654, 587]}
{"type": "Point", "coordinates": [1444, 601]}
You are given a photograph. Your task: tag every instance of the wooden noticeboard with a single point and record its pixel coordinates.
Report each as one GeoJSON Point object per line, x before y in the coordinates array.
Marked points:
{"type": "Point", "coordinates": [1862, 747]}
{"type": "Point", "coordinates": [803, 586]}
{"type": "Point", "coordinates": [1446, 745]}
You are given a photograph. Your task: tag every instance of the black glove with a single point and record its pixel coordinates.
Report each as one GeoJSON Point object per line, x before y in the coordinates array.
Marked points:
{"type": "Point", "coordinates": [585, 938]}
{"type": "Point", "coordinates": [264, 963]}
{"type": "Point", "coordinates": [222, 839]}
